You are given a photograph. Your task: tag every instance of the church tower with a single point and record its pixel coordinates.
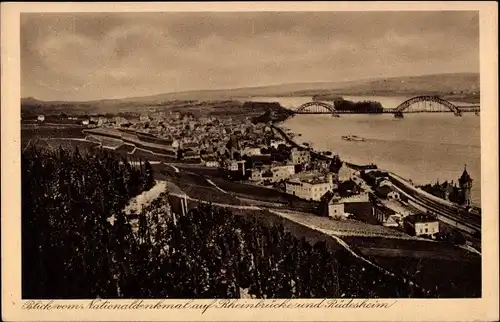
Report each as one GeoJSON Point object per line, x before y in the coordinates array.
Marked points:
{"type": "Point", "coordinates": [465, 183]}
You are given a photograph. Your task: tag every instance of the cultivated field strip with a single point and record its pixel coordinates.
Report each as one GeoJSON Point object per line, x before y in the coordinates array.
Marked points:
{"type": "Point", "coordinates": [344, 227]}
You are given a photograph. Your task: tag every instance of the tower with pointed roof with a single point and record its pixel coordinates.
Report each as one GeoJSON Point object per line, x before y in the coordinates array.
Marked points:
{"type": "Point", "coordinates": [465, 182]}
{"type": "Point", "coordinates": [233, 147]}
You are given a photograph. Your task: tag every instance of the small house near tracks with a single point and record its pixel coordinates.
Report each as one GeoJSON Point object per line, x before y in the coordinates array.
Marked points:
{"type": "Point", "coordinates": [421, 225]}
{"type": "Point", "coordinates": [356, 203]}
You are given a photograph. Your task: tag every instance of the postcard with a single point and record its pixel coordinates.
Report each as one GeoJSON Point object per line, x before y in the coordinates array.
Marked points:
{"type": "Point", "coordinates": [264, 161]}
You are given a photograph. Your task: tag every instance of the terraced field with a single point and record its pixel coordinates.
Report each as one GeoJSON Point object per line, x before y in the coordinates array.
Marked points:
{"type": "Point", "coordinates": [154, 140]}
{"type": "Point", "coordinates": [108, 132]}
{"type": "Point", "coordinates": [92, 138]}
{"type": "Point", "coordinates": [71, 144]}
{"type": "Point", "coordinates": [35, 131]}
{"type": "Point", "coordinates": [380, 246]}
{"type": "Point", "coordinates": [152, 156]}
{"type": "Point", "coordinates": [196, 186]}
{"type": "Point", "coordinates": [344, 227]}
{"type": "Point", "coordinates": [124, 150]}
{"type": "Point", "coordinates": [263, 194]}
{"type": "Point", "coordinates": [106, 141]}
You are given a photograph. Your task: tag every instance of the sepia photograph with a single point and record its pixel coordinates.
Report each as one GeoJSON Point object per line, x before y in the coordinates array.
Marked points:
{"type": "Point", "coordinates": [251, 155]}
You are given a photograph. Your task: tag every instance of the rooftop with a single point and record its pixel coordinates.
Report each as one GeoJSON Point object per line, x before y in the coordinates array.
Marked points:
{"type": "Point", "coordinates": [465, 177]}
{"type": "Point", "coordinates": [420, 218]}
{"type": "Point", "coordinates": [384, 190]}
{"type": "Point", "coordinates": [318, 180]}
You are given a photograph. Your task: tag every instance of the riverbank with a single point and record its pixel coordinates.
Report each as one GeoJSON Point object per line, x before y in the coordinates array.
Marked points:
{"type": "Point", "coordinates": [278, 127]}
{"type": "Point", "coordinates": [421, 147]}
{"type": "Point", "coordinates": [318, 155]}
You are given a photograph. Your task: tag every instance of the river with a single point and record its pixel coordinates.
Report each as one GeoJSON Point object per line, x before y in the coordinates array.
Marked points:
{"type": "Point", "coordinates": [421, 147]}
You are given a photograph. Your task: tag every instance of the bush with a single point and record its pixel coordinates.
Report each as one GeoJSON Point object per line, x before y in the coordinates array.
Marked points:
{"type": "Point", "coordinates": [458, 238]}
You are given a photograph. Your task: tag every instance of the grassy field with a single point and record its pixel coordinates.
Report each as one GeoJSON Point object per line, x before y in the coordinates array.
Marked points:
{"type": "Point", "coordinates": [196, 186]}
{"type": "Point", "coordinates": [110, 142]}
{"type": "Point", "coordinates": [109, 132]}
{"type": "Point", "coordinates": [393, 251]}
{"type": "Point", "coordinates": [83, 146]}
{"type": "Point", "coordinates": [52, 132]}
{"type": "Point", "coordinates": [248, 191]}
{"type": "Point", "coordinates": [124, 150]}
{"type": "Point", "coordinates": [262, 193]}
{"type": "Point", "coordinates": [344, 227]}
{"type": "Point", "coordinates": [201, 170]}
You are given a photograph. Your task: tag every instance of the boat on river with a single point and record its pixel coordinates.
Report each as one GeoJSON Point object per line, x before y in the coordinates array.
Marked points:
{"type": "Point", "coordinates": [352, 138]}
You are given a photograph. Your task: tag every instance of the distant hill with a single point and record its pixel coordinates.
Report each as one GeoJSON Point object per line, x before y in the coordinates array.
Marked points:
{"type": "Point", "coordinates": [426, 84]}
{"type": "Point", "coordinates": [463, 86]}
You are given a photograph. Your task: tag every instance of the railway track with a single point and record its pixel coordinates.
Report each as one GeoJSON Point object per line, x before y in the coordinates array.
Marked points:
{"type": "Point", "coordinates": [432, 206]}
{"type": "Point", "coordinates": [463, 218]}
{"type": "Point", "coordinates": [454, 213]}
{"type": "Point", "coordinates": [469, 224]}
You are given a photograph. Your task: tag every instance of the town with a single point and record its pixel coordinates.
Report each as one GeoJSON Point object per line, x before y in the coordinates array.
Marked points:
{"type": "Point", "coordinates": [261, 154]}
{"type": "Point", "coordinates": [249, 155]}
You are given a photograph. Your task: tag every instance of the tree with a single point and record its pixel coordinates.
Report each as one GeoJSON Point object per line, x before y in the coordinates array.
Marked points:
{"type": "Point", "coordinates": [78, 243]}
{"type": "Point", "coordinates": [458, 238]}
{"type": "Point", "coordinates": [149, 176]}
{"type": "Point", "coordinates": [335, 164]}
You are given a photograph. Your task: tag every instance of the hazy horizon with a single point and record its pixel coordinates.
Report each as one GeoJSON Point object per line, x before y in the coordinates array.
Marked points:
{"type": "Point", "coordinates": [93, 56]}
{"type": "Point", "coordinates": [250, 87]}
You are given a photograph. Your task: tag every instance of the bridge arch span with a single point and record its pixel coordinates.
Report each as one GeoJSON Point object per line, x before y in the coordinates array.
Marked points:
{"type": "Point", "coordinates": [427, 98]}
{"type": "Point", "coordinates": [315, 107]}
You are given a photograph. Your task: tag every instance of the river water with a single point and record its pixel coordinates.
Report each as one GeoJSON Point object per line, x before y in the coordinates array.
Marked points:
{"type": "Point", "coordinates": [421, 147]}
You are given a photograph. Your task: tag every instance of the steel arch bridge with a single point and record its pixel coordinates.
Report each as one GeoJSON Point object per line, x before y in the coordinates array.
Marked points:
{"type": "Point", "coordinates": [426, 104]}
{"type": "Point", "coordinates": [316, 108]}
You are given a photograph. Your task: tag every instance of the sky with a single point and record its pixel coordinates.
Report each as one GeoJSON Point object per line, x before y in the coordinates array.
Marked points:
{"type": "Point", "coordinates": [88, 56]}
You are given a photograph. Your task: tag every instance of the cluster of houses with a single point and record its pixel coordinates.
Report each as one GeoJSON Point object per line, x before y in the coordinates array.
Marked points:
{"type": "Point", "coordinates": [328, 182]}
{"type": "Point", "coordinates": [83, 120]}
{"type": "Point", "coordinates": [380, 183]}
{"type": "Point", "coordinates": [390, 212]}
{"type": "Point", "coordinates": [332, 184]}
{"type": "Point", "coordinates": [457, 192]}
{"type": "Point", "coordinates": [200, 139]}
{"type": "Point", "coordinates": [254, 153]}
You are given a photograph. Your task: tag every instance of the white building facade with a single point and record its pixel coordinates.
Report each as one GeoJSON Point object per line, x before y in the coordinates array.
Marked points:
{"type": "Point", "coordinates": [336, 210]}
{"type": "Point", "coordinates": [251, 151]}
{"type": "Point", "coordinates": [276, 143]}
{"type": "Point", "coordinates": [426, 228]}
{"type": "Point", "coordinates": [300, 156]}
{"type": "Point", "coordinates": [309, 190]}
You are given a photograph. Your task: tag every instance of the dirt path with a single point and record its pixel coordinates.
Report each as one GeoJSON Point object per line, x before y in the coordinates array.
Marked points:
{"type": "Point", "coordinates": [216, 186]}
{"type": "Point", "coordinates": [141, 201]}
